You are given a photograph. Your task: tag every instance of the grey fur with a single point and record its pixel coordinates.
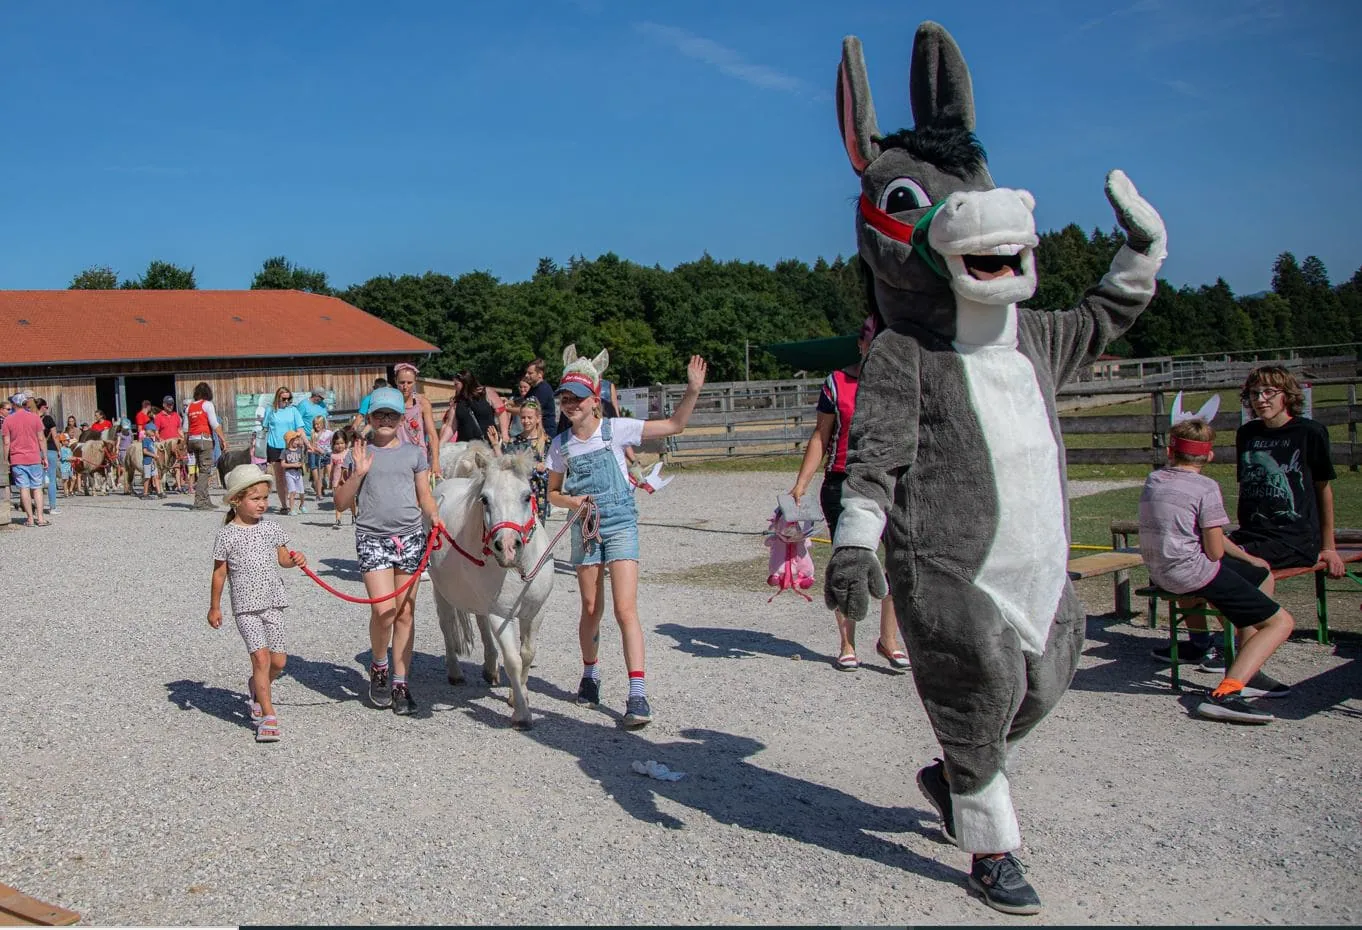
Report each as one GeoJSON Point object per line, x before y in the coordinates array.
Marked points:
{"type": "Point", "coordinates": [939, 82]}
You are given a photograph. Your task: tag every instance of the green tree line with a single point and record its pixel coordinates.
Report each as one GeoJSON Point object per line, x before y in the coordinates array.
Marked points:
{"type": "Point", "coordinates": [652, 319]}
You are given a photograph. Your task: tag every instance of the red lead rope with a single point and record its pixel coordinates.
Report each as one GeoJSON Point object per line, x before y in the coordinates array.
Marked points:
{"type": "Point", "coordinates": [432, 544]}
{"type": "Point", "coordinates": [587, 513]}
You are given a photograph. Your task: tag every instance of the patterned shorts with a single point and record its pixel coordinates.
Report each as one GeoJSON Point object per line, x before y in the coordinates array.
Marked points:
{"type": "Point", "coordinates": [377, 553]}
{"type": "Point", "coordinates": [262, 629]}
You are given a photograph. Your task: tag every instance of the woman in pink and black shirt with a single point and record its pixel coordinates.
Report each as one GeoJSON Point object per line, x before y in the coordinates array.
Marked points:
{"type": "Point", "coordinates": [836, 404]}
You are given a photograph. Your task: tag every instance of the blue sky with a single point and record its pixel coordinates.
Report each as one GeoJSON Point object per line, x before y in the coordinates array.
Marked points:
{"type": "Point", "coordinates": [366, 138]}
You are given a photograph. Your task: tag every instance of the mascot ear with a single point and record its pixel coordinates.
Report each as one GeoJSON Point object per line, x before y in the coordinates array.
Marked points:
{"type": "Point", "coordinates": [938, 81]}
{"type": "Point", "coordinates": [601, 362]}
{"type": "Point", "coordinates": [570, 355]}
{"type": "Point", "coordinates": [855, 110]}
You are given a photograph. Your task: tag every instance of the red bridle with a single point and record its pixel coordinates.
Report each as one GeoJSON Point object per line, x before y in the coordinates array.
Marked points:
{"type": "Point", "coordinates": [523, 530]}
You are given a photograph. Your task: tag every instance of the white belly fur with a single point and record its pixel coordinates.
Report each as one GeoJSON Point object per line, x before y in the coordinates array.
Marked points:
{"type": "Point", "coordinates": [1026, 566]}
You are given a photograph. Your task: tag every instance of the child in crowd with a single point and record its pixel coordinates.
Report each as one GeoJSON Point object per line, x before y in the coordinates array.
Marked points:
{"type": "Point", "coordinates": [587, 462]}
{"type": "Point", "coordinates": [151, 461]}
{"type": "Point", "coordinates": [246, 551]}
{"type": "Point", "coordinates": [1182, 540]}
{"type": "Point", "coordinates": [341, 466]}
{"type": "Point", "coordinates": [295, 450]}
{"type": "Point", "coordinates": [390, 486]}
{"type": "Point", "coordinates": [66, 457]}
{"type": "Point", "coordinates": [319, 455]}
{"type": "Point", "coordinates": [122, 477]}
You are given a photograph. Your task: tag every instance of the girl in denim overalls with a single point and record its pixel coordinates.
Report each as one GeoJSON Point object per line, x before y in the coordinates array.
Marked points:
{"type": "Point", "coordinates": [587, 461]}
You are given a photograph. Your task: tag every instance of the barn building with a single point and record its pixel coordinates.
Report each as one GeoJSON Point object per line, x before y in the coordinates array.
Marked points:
{"type": "Point", "coordinates": [108, 350]}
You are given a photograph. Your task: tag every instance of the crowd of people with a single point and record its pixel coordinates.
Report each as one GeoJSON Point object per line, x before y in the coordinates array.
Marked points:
{"type": "Point", "coordinates": [1284, 469]}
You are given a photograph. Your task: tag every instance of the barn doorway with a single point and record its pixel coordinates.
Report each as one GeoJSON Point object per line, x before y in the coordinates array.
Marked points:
{"type": "Point", "coordinates": [106, 396]}
{"type": "Point", "coordinates": [147, 387]}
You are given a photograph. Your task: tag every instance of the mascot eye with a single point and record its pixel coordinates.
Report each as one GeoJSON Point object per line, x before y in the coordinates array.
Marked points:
{"type": "Point", "coordinates": [903, 194]}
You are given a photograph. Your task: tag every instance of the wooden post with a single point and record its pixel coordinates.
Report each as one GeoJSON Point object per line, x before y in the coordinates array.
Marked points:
{"type": "Point", "coordinates": [1159, 424]}
{"type": "Point", "coordinates": [1352, 428]}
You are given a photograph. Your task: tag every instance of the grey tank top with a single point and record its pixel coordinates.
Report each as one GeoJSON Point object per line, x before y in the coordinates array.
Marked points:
{"type": "Point", "coordinates": [387, 498]}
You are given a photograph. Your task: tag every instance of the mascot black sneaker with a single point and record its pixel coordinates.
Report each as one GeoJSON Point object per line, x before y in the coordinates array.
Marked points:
{"type": "Point", "coordinates": [1003, 884]}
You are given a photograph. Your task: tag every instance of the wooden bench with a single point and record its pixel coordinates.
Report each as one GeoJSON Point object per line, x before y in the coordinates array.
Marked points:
{"type": "Point", "coordinates": [1118, 563]}
{"type": "Point", "coordinates": [20, 910]}
{"type": "Point", "coordinates": [1346, 539]}
{"type": "Point", "coordinates": [1352, 564]}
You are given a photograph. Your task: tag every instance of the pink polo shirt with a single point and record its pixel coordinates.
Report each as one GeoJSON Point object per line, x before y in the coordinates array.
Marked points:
{"type": "Point", "coordinates": [23, 431]}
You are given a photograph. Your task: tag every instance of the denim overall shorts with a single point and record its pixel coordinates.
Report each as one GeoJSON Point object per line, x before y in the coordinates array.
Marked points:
{"type": "Point", "coordinates": [598, 475]}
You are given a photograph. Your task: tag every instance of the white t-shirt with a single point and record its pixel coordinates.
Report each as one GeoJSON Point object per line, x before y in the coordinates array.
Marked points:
{"type": "Point", "coordinates": [623, 432]}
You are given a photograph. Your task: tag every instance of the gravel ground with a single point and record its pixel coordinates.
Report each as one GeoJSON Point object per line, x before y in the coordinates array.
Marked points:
{"type": "Point", "coordinates": [132, 792]}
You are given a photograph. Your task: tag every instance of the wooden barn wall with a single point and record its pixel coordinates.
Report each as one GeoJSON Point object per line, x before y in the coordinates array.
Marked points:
{"type": "Point", "coordinates": [67, 396]}
{"type": "Point", "coordinates": [349, 385]}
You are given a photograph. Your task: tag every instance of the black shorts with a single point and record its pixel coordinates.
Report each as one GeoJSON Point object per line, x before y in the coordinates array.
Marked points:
{"type": "Point", "coordinates": [273, 454]}
{"type": "Point", "coordinates": [830, 497]}
{"type": "Point", "coordinates": [1235, 593]}
{"type": "Point", "coordinates": [1277, 554]}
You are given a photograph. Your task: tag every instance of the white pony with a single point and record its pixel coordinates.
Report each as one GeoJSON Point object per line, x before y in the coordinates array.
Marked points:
{"type": "Point", "coordinates": [487, 507]}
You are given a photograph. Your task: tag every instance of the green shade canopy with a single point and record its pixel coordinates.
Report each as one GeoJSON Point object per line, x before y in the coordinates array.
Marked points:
{"type": "Point", "coordinates": [817, 354]}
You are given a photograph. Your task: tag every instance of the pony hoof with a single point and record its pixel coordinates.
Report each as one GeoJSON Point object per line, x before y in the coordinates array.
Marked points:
{"type": "Point", "coordinates": [521, 724]}
{"type": "Point", "coordinates": [454, 681]}
{"type": "Point", "coordinates": [489, 677]}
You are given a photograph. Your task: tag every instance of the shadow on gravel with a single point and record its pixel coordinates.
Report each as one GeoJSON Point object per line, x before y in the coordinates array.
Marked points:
{"type": "Point", "coordinates": [722, 785]}
{"type": "Point", "coordinates": [219, 702]}
{"type": "Point", "coordinates": [707, 642]}
{"type": "Point", "coordinates": [1129, 668]}
{"type": "Point", "coordinates": [336, 683]}
{"type": "Point", "coordinates": [343, 569]}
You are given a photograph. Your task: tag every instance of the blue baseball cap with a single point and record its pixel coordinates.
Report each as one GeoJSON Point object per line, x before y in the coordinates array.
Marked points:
{"type": "Point", "coordinates": [386, 398]}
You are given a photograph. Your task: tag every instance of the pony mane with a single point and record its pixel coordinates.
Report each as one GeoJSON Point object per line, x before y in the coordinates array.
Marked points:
{"type": "Point", "coordinates": [478, 459]}
{"type": "Point", "coordinates": [953, 149]}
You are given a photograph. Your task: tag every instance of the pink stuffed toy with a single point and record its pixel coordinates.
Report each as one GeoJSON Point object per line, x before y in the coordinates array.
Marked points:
{"type": "Point", "coordinates": [791, 563]}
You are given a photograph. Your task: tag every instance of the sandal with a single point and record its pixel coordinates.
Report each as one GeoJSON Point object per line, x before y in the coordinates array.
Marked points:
{"type": "Point", "coordinates": [43, 523]}
{"type": "Point", "coordinates": [847, 663]}
{"type": "Point", "coordinates": [268, 730]}
{"type": "Point", "coordinates": [897, 659]}
{"type": "Point", "coordinates": [257, 712]}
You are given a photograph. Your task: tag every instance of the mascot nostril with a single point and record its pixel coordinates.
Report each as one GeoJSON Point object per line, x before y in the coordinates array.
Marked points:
{"type": "Point", "coordinates": [955, 457]}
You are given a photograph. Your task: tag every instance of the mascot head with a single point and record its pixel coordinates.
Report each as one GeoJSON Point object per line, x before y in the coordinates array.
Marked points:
{"type": "Point", "coordinates": [934, 230]}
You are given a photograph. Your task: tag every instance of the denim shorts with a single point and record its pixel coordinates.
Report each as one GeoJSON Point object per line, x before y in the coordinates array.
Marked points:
{"type": "Point", "coordinates": [377, 553]}
{"type": "Point", "coordinates": [619, 540]}
{"type": "Point", "coordinates": [316, 460]}
{"type": "Point", "coordinates": [27, 476]}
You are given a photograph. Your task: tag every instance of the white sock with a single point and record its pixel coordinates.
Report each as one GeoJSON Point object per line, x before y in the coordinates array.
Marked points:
{"type": "Point", "coordinates": [637, 687]}
{"type": "Point", "coordinates": [591, 670]}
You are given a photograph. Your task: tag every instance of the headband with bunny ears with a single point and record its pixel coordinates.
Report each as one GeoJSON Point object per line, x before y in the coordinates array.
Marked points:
{"type": "Point", "coordinates": [583, 371]}
{"type": "Point", "coordinates": [1206, 414]}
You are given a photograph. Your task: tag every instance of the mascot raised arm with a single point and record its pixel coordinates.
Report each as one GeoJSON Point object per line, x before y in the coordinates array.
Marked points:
{"type": "Point", "coordinates": [955, 454]}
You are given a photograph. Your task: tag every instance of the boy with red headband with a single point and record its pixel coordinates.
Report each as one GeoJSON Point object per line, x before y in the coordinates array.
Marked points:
{"type": "Point", "coordinates": [1183, 542]}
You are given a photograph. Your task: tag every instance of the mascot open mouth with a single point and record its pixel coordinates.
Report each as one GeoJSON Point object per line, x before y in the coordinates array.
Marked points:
{"type": "Point", "coordinates": [988, 267]}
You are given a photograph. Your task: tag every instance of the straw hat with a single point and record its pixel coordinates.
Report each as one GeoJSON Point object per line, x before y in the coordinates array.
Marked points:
{"type": "Point", "coordinates": [246, 476]}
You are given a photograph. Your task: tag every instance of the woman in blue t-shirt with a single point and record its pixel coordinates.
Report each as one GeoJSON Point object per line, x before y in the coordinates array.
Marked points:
{"type": "Point", "coordinates": [280, 419]}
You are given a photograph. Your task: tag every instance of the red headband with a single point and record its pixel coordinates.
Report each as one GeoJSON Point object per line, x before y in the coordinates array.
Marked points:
{"type": "Point", "coordinates": [1189, 446]}
{"type": "Point", "coordinates": [575, 377]}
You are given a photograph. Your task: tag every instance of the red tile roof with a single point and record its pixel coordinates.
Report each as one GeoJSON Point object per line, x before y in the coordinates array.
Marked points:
{"type": "Point", "coordinates": [65, 327]}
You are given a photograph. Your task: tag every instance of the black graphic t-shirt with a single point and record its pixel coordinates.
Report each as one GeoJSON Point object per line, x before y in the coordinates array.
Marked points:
{"type": "Point", "coordinates": [1277, 470]}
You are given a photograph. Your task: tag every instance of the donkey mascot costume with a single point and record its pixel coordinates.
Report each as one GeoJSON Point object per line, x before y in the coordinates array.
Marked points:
{"type": "Point", "coordinates": [955, 453]}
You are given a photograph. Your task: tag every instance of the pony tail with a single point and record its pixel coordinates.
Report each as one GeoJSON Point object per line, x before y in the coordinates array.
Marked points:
{"type": "Point", "coordinates": [231, 513]}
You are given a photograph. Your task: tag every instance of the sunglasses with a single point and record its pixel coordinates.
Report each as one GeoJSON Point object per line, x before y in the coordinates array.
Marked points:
{"type": "Point", "coordinates": [286, 397]}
